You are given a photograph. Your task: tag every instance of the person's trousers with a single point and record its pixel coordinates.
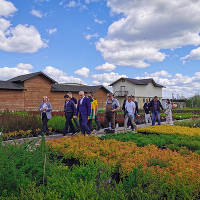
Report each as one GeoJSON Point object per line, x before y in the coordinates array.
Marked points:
{"type": "Point", "coordinates": [44, 123]}
{"type": "Point", "coordinates": [96, 121]}
{"type": "Point", "coordinates": [68, 123]}
{"type": "Point", "coordinates": [155, 114]}
{"type": "Point", "coordinates": [76, 123]}
{"type": "Point", "coordinates": [127, 118]}
{"type": "Point", "coordinates": [83, 121]}
{"type": "Point", "coordinates": [147, 118]}
{"type": "Point", "coordinates": [109, 117]}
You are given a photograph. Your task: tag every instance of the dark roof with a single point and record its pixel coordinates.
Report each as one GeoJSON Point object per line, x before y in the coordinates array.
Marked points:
{"type": "Point", "coordinates": [6, 85]}
{"type": "Point", "coordinates": [139, 81]}
{"type": "Point", "coordinates": [25, 77]}
{"type": "Point", "coordinates": [76, 88]}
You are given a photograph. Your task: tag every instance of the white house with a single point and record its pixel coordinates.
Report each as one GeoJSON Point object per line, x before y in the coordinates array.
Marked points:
{"type": "Point", "coordinates": [140, 88]}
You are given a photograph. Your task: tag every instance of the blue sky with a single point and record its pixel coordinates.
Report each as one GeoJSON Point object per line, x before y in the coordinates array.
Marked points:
{"type": "Point", "coordinates": [98, 41]}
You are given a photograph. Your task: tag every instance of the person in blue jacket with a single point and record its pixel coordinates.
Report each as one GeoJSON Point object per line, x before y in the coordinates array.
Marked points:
{"type": "Point", "coordinates": [70, 112]}
{"type": "Point", "coordinates": [83, 112]}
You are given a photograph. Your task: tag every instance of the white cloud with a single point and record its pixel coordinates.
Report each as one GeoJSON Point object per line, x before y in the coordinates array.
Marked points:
{"type": "Point", "coordinates": [51, 31]}
{"type": "Point", "coordinates": [98, 21]}
{"type": "Point", "coordinates": [10, 72]}
{"type": "Point", "coordinates": [96, 82]}
{"type": "Point", "coordinates": [60, 76]}
{"type": "Point", "coordinates": [84, 71]}
{"type": "Point", "coordinates": [146, 27]}
{"type": "Point", "coordinates": [90, 36]}
{"type": "Point", "coordinates": [24, 66]}
{"type": "Point", "coordinates": [90, 1]}
{"type": "Point", "coordinates": [107, 78]}
{"type": "Point", "coordinates": [162, 73]}
{"type": "Point", "coordinates": [22, 38]}
{"type": "Point", "coordinates": [6, 8]}
{"type": "Point", "coordinates": [36, 13]}
{"type": "Point", "coordinates": [71, 4]}
{"type": "Point", "coordinates": [193, 55]}
{"type": "Point", "coordinates": [177, 84]}
{"type": "Point", "coordinates": [106, 67]}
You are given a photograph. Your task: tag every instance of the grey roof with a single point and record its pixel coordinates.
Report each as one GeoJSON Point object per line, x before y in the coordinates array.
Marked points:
{"type": "Point", "coordinates": [6, 85]}
{"type": "Point", "coordinates": [76, 88]}
{"type": "Point", "coordinates": [139, 81]}
{"type": "Point", "coordinates": [25, 77]}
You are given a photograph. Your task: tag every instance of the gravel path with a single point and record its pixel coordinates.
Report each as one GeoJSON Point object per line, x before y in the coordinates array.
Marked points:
{"type": "Point", "coordinates": [56, 136]}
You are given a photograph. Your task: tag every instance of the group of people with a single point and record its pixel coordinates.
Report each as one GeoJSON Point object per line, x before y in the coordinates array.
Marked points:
{"type": "Point", "coordinates": [86, 109]}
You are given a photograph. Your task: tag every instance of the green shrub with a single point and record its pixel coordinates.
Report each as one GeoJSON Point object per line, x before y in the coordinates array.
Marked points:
{"type": "Point", "coordinates": [173, 142]}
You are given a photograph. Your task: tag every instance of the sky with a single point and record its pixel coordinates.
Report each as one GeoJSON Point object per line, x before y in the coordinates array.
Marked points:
{"type": "Point", "coordinates": [98, 41]}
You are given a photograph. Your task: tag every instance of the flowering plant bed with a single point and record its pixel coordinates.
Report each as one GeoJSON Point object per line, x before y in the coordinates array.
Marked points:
{"type": "Point", "coordinates": [127, 155]}
{"type": "Point", "coordinates": [168, 129]}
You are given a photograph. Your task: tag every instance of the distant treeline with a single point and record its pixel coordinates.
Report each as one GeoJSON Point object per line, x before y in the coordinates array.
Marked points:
{"type": "Point", "coordinates": [193, 101]}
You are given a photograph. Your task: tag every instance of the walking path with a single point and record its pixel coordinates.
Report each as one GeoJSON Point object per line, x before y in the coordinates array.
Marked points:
{"type": "Point", "coordinates": [56, 136]}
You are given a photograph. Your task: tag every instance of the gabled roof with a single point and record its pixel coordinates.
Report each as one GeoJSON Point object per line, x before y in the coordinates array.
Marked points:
{"type": "Point", "coordinates": [25, 77]}
{"type": "Point", "coordinates": [6, 85]}
{"type": "Point", "coordinates": [76, 88]}
{"type": "Point", "coordinates": [139, 81]}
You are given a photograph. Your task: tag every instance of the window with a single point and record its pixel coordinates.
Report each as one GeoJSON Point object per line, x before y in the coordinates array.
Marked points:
{"type": "Point", "coordinates": [122, 88]}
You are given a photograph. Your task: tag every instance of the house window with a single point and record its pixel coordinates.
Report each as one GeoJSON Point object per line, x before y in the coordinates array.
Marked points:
{"type": "Point", "coordinates": [122, 88]}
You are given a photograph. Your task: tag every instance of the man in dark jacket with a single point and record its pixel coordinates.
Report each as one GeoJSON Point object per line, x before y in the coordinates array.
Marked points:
{"type": "Point", "coordinates": [84, 111]}
{"type": "Point", "coordinates": [155, 107]}
{"type": "Point", "coordinates": [70, 112]}
{"type": "Point", "coordinates": [147, 112]}
{"type": "Point", "coordinates": [75, 103]}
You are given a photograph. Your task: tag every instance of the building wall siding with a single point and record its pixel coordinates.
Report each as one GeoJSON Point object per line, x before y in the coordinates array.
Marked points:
{"type": "Point", "coordinates": [139, 91]}
{"type": "Point", "coordinates": [11, 100]}
{"type": "Point", "coordinates": [31, 97]}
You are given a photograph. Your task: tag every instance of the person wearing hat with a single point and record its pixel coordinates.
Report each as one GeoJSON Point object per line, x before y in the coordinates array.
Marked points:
{"type": "Point", "coordinates": [70, 112]}
{"type": "Point", "coordinates": [112, 106]}
{"type": "Point", "coordinates": [130, 114]}
{"type": "Point", "coordinates": [75, 103]}
{"type": "Point", "coordinates": [45, 109]}
{"type": "Point", "coordinates": [155, 106]}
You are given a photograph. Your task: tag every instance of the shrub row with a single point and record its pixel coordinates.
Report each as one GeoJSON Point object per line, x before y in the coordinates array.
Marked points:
{"type": "Point", "coordinates": [168, 129]}
{"type": "Point", "coordinates": [22, 177]}
{"type": "Point", "coordinates": [127, 155]}
{"type": "Point", "coordinates": [175, 142]}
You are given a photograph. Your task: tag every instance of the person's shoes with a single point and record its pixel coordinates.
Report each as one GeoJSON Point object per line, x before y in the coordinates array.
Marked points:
{"type": "Point", "coordinates": [74, 133]}
{"type": "Point", "coordinates": [64, 134]}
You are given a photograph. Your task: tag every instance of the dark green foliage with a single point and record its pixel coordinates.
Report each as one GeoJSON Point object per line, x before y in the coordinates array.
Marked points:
{"type": "Point", "coordinates": [188, 123]}
{"type": "Point", "coordinates": [19, 121]}
{"type": "Point", "coordinates": [22, 172]}
{"type": "Point", "coordinates": [20, 166]}
{"type": "Point", "coordinates": [173, 142]}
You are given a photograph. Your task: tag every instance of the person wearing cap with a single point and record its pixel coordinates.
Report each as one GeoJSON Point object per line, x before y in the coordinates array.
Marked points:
{"type": "Point", "coordinates": [75, 103]}
{"type": "Point", "coordinates": [130, 114]}
{"type": "Point", "coordinates": [45, 109]}
{"type": "Point", "coordinates": [112, 106]}
{"type": "Point", "coordinates": [83, 111]}
{"type": "Point", "coordinates": [70, 112]}
{"type": "Point", "coordinates": [155, 106]}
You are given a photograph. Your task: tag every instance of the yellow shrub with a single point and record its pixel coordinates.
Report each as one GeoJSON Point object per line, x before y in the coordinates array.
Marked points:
{"type": "Point", "coordinates": [168, 129]}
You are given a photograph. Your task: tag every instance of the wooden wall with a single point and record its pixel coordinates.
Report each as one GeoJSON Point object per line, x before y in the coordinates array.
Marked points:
{"type": "Point", "coordinates": [31, 97]}
{"type": "Point", "coordinates": [11, 100]}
